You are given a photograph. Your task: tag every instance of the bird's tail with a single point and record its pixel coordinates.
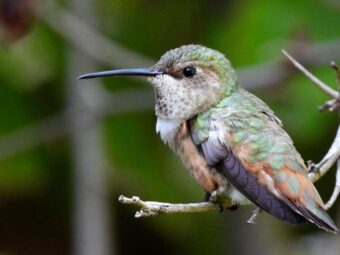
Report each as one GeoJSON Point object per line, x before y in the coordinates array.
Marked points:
{"type": "Point", "coordinates": [319, 217]}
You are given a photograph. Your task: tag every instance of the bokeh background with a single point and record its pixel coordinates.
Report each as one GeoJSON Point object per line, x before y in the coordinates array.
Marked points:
{"type": "Point", "coordinates": [69, 148]}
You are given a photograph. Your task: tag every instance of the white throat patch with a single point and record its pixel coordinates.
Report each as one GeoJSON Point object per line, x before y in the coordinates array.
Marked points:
{"type": "Point", "coordinates": [167, 130]}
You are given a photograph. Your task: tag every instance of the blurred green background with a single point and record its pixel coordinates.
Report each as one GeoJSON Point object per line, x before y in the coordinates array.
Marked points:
{"type": "Point", "coordinates": [68, 149]}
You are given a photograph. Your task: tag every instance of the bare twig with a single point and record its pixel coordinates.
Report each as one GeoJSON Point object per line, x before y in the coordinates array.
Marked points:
{"type": "Point", "coordinates": [151, 208]}
{"type": "Point", "coordinates": [336, 190]}
{"type": "Point", "coordinates": [316, 171]}
{"type": "Point", "coordinates": [325, 88]}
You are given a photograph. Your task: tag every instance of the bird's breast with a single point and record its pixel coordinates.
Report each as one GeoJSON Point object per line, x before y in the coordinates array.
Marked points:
{"type": "Point", "coordinates": [177, 136]}
{"type": "Point", "coordinates": [206, 176]}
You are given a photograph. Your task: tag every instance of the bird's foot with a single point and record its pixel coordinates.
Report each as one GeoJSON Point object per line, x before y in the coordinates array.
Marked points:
{"type": "Point", "coordinates": [217, 194]}
{"type": "Point", "coordinates": [312, 167]}
{"type": "Point", "coordinates": [206, 197]}
{"type": "Point", "coordinates": [217, 197]}
{"type": "Point", "coordinates": [331, 105]}
{"type": "Point", "coordinates": [252, 219]}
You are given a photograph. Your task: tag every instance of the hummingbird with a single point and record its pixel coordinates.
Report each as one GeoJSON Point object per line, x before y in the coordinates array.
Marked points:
{"type": "Point", "coordinates": [229, 140]}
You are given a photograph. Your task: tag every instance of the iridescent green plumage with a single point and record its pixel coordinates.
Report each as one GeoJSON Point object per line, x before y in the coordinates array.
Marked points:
{"type": "Point", "coordinates": [250, 121]}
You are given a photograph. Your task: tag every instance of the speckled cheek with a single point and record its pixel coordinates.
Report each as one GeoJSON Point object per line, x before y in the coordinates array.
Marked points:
{"type": "Point", "coordinates": [182, 98]}
{"type": "Point", "coordinates": [172, 98]}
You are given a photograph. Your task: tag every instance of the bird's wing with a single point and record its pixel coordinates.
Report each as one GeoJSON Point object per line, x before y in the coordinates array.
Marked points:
{"type": "Point", "coordinates": [256, 155]}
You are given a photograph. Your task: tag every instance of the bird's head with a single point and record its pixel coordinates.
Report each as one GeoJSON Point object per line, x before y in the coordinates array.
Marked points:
{"type": "Point", "coordinates": [186, 80]}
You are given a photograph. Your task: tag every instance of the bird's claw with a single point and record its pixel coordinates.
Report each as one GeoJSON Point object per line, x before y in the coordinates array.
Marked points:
{"type": "Point", "coordinates": [312, 167]}
{"type": "Point", "coordinates": [331, 105]}
{"type": "Point", "coordinates": [216, 194]}
{"type": "Point", "coordinates": [213, 197]}
{"type": "Point", "coordinates": [217, 197]}
{"type": "Point", "coordinates": [252, 219]}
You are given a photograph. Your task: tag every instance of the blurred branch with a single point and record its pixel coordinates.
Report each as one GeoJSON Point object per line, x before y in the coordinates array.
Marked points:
{"type": "Point", "coordinates": [332, 3]}
{"type": "Point", "coordinates": [84, 37]}
{"type": "Point", "coordinates": [316, 171]}
{"type": "Point", "coordinates": [151, 208]}
{"type": "Point", "coordinates": [28, 137]}
{"type": "Point", "coordinates": [276, 72]}
{"type": "Point", "coordinates": [91, 222]}
{"type": "Point", "coordinates": [57, 126]}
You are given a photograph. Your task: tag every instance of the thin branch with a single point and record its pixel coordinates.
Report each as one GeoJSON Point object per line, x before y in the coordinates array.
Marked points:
{"type": "Point", "coordinates": [318, 170]}
{"type": "Point", "coordinates": [336, 190]}
{"type": "Point", "coordinates": [84, 37]}
{"type": "Point", "coordinates": [325, 88]}
{"type": "Point", "coordinates": [151, 208]}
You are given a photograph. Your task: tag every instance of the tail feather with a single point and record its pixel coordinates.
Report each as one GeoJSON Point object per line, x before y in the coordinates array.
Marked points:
{"type": "Point", "coordinates": [285, 209]}
{"type": "Point", "coordinates": [319, 217]}
{"type": "Point", "coordinates": [247, 184]}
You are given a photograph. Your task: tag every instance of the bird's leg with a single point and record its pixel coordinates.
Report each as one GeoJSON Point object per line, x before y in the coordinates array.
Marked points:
{"type": "Point", "coordinates": [252, 219]}
{"type": "Point", "coordinates": [216, 194]}
{"type": "Point", "coordinates": [331, 105]}
{"type": "Point", "coordinates": [312, 167]}
{"type": "Point", "coordinates": [206, 197]}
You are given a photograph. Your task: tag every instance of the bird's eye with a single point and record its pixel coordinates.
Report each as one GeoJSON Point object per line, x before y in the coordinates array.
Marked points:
{"type": "Point", "coordinates": [189, 71]}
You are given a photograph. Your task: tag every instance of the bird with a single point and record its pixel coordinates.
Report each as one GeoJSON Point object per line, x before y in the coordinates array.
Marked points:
{"type": "Point", "coordinates": [229, 140]}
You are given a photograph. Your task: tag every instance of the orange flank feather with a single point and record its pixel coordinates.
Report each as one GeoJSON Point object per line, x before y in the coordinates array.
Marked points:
{"type": "Point", "coordinates": [290, 186]}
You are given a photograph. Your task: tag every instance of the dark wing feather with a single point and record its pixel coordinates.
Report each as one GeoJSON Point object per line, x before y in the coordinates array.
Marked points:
{"type": "Point", "coordinates": [231, 167]}
{"type": "Point", "coordinates": [284, 209]}
{"type": "Point", "coordinates": [248, 185]}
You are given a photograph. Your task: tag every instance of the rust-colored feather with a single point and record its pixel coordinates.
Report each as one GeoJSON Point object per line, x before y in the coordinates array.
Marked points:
{"type": "Point", "coordinates": [292, 187]}
{"type": "Point", "coordinates": [205, 175]}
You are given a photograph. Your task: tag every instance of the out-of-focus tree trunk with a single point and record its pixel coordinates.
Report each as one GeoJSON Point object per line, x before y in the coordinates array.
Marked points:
{"type": "Point", "coordinates": [91, 215]}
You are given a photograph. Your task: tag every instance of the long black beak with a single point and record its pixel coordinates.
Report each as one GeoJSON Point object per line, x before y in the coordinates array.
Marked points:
{"type": "Point", "coordinates": [123, 72]}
